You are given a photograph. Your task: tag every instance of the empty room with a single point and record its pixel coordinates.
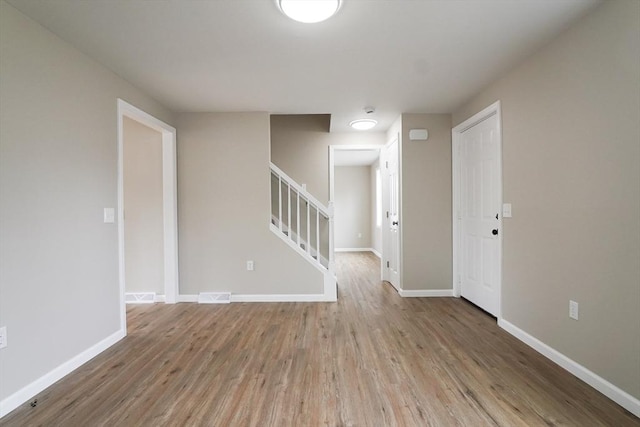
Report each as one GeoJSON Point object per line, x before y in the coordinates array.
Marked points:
{"type": "Point", "coordinates": [329, 212]}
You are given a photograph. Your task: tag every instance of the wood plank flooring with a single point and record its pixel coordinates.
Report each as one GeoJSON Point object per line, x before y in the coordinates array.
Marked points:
{"type": "Point", "coordinates": [372, 359]}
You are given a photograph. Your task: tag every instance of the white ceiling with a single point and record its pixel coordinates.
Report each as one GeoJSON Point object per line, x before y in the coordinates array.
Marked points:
{"type": "Point", "coordinates": [420, 56]}
{"type": "Point", "coordinates": [355, 157]}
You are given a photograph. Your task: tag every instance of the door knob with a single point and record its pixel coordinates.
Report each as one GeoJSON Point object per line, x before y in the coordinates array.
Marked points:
{"type": "Point", "coordinates": [394, 223]}
{"type": "Point", "coordinates": [494, 231]}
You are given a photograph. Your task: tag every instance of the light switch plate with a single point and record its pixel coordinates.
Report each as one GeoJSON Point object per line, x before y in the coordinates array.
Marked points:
{"type": "Point", "coordinates": [3, 337]}
{"type": "Point", "coordinates": [109, 215]}
{"type": "Point", "coordinates": [506, 210]}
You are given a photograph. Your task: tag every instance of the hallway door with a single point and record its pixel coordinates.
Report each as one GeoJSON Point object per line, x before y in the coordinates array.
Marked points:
{"type": "Point", "coordinates": [479, 212]}
{"type": "Point", "coordinates": [391, 259]}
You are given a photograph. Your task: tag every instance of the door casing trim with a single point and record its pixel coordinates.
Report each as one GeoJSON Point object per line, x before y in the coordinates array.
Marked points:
{"type": "Point", "coordinates": [169, 202]}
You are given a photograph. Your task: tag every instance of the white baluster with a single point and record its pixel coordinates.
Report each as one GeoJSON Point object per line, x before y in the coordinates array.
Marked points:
{"type": "Point", "coordinates": [308, 228]}
{"type": "Point", "coordinates": [280, 203]}
{"type": "Point", "coordinates": [289, 210]}
{"type": "Point", "coordinates": [318, 235]}
{"type": "Point", "coordinates": [298, 217]}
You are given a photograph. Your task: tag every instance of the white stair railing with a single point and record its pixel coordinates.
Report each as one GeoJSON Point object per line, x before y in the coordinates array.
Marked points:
{"type": "Point", "coordinates": [301, 220]}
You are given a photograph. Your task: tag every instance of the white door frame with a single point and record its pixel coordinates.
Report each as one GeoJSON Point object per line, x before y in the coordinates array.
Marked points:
{"type": "Point", "coordinates": [456, 138]}
{"type": "Point", "coordinates": [169, 201]}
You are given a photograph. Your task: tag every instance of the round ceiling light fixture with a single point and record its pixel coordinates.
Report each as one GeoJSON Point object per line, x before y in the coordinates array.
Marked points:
{"type": "Point", "coordinates": [309, 11]}
{"type": "Point", "coordinates": [363, 124]}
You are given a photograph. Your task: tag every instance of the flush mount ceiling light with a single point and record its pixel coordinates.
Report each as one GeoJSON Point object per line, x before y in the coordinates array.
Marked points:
{"type": "Point", "coordinates": [309, 11]}
{"type": "Point", "coordinates": [363, 124]}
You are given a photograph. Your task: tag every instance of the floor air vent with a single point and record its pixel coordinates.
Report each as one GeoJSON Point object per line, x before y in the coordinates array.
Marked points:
{"type": "Point", "coordinates": [214, 298]}
{"type": "Point", "coordinates": [140, 298]}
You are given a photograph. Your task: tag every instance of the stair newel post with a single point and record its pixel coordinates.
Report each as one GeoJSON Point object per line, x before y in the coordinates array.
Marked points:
{"type": "Point", "coordinates": [330, 221]}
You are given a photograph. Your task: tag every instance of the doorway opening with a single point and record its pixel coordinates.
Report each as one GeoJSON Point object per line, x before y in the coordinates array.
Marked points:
{"type": "Point", "coordinates": [133, 119]}
{"type": "Point", "coordinates": [355, 190]}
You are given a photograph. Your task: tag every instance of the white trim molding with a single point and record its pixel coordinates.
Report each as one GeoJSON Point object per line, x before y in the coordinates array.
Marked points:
{"type": "Point", "coordinates": [425, 293]}
{"type": "Point", "coordinates": [614, 393]}
{"type": "Point", "coordinates": [30, 390]}
{"type": "Point", "coordinates": [169, 201]}
{"type": "Point", "coordinates": [356, 250]}
{"type": "Point", "coordinates": [327, 297]}
{"type": "Point", "coordinates": [279, 298]}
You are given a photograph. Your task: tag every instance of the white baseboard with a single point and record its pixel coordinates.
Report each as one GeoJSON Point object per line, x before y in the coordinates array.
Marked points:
{"type": "Point", "coordinates": [279, 298]}
{"type": "Point", "coordinates": [614, 393]}
{"type": "Point", "coordinates": [214, 298]}
{"type": "Point", "coordinates": [353, 249]}
{"type": "Point", "coordinates": [265, 298]}
{"type": "Point", "coordinates": [425, 293]}
{"type": "Point", "coordinates": [376, 253]}
{"type": "Point", "coordinates": [27, 392]}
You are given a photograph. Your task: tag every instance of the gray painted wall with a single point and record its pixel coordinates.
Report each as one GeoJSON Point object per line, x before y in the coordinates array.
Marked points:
{"type": "Point", "coordinates": [571, 154]}
{"type": "Point", "coordinates": [352, 207]}
{"type": "Point", "coordinates": [224, 212]}
{"type": "Point", "coordinates": [143, 216]}
{"type": "Point", "coordinates": [425, 202]}
{"type": "Point", "coordinates": [58, 170]}
{"type": "Point", "coordinates": [300, 147]}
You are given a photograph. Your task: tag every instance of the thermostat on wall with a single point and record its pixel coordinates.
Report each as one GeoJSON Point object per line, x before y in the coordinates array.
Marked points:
{"type": "Point", "coordinates": [418, 134]}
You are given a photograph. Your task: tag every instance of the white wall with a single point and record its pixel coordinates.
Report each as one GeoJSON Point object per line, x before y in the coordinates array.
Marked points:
{"type": "Point", "coordinates": [58, 170]}
{"type": "Point", "coordinates": [143, 222]}
{"type": "Point", "coordinates": [224, 212]}
{"type": "Point", "coordinates": [571, 166]}
{"type": "Point", "coordinates": [352, 207]}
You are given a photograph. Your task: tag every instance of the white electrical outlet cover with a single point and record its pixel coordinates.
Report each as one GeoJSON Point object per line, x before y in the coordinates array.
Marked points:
{"type": "Point", "coordinates": [573, 310]}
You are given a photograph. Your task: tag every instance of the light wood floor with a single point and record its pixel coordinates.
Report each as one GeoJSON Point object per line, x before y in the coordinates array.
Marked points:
{"type": "Point", "coordinates": [372, 359]}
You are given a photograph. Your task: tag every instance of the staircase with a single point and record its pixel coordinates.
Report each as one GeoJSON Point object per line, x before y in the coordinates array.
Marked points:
{"type": "Point", "coordinates": [305, 224]}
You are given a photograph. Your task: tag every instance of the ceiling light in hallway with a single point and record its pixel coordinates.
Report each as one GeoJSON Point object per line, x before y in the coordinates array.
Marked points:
{"type": "Point", "coordinates": [363, 124]}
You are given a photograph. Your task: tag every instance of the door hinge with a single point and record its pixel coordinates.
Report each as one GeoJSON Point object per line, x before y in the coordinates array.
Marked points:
{"type": "Point", "coordinates": [387, 214]}
{"type": "Point", "coordinates": [386, 165]}
{"type": "Point", "coordinates": [387, 264]}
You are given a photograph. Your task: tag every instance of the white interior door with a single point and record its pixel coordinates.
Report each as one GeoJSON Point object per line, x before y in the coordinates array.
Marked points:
{"type": "Point", "coordinates": [392, 217]}
{"type": "Point", "coordinates": [479, 214]}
